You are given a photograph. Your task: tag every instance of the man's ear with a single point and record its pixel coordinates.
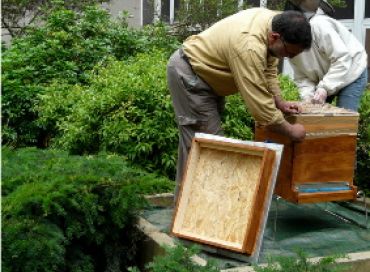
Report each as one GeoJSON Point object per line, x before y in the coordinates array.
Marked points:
{"type": "Point", "coordinates": [273, 36]}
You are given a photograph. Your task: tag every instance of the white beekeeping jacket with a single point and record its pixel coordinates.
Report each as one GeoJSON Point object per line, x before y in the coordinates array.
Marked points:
{"type": "Point", "coordinates": [335, 59]}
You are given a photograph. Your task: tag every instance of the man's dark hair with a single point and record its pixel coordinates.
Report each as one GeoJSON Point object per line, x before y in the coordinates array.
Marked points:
{"type": "Point", "coordinates": [294, 27]}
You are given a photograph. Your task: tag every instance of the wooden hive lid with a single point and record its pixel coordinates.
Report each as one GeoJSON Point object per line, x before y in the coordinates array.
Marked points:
{"type": "Point", "coordinates": [226, 192]}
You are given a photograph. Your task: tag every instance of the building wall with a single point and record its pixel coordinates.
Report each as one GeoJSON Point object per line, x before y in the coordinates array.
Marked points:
{"type": "Point", "coordinates": [115, 8]}
{"type": "Point", "coordinates": [134, 8]}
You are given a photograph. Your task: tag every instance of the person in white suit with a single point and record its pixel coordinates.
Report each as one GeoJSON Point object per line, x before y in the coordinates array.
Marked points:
{"type": "Point", "coordinates": [336, 63]}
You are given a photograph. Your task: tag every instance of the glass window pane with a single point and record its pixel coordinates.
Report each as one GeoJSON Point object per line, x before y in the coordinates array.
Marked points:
{"type": "Point", "coordinates": [165, 11]}
{"type": "Point", "coordinates": [367, 9]}
{"type": "Point", "coordinates": [148, 12]}
{"type": "Point", "coordinates": [347, 12]}
{"type": "Point", "coordinates": [252, 3]}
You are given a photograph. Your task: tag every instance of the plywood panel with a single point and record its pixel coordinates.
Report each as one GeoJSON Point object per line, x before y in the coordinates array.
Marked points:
{"type": "Point", "coordinates": [223, 194]}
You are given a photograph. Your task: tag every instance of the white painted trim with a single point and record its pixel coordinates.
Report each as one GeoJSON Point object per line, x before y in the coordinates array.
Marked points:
{"type": "Point", "coordinates": [349, 23]}
{"type": "Point", "coordinates": [172, 11]}
{"type": "Point", "coordinates": [359, 15]}
{"type": "Point", "coordinates": [142, 13]}
{"type": "Point", "coordinates": [240, 4]}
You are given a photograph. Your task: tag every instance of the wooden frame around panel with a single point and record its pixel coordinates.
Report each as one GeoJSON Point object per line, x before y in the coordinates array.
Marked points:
{"type": "Point", "coordinates": [252, 230]}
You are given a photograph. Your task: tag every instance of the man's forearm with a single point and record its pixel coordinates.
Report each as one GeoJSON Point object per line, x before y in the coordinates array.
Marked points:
{"type": "Point", "coordinates": [295, 132]}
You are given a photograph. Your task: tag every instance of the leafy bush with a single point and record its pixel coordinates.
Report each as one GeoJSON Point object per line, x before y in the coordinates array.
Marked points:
{"type": "Point", "coordinates": [126, 109]}
{"type": "Point", "coordinates": [237, 121]}
{"type": "Point", "coordinates": [363, 145]}
{"type": "Point", "coordinates": [63, 51]}
{"type": "Point", "coordinates": [191, 17]}
{"type": "Point", "coordinates": [178, 259]}
{"type": "Point", "coordinates": [300, 263]}
{"type": "Point", "coordinates": [70, 213]}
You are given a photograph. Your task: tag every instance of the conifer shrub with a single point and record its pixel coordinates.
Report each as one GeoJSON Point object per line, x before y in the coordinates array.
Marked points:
{"type": "Point", "coordinates": [71, 213]}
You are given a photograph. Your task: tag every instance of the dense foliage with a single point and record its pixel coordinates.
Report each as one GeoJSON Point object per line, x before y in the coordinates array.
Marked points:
{"type": "Point", "coordinates": [63, 52]}
{"type": "Point", "coordinates": [126, 109]}
{"type": "Point", "coordinates": [17, 15]}
{"type": "Point", "coordinates": [300, 263]}
{"type": "Point", "coordinates": [178, 259]}
{"type": "Point", "coordinates": [194, 16]}
{"type": "Point", "coordinates": [71, 213]}
{"type": "Point", "coordinates": [363, 145]}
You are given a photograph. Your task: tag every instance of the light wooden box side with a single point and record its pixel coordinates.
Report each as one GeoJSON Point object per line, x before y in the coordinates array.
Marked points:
{"type": "Point", "coordinates": [322, 125]}
{"type": "Point", "coordinates": [326, 155]}
{"type": "Point", "coordinates": [222, 194]}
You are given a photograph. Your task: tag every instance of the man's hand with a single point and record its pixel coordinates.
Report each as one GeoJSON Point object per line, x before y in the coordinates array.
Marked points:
{"type": "Point", "coordinates": [320, 96]}
{"type": "Point", "coordinates": [287, 107]}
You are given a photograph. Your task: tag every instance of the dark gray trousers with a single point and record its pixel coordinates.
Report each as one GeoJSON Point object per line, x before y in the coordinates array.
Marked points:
{"type": "Point", "coordinates": [197, 107]}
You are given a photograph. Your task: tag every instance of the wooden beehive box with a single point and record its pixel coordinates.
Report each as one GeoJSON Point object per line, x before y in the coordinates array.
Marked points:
{"type": "Point", "coordinates": [320, 168]}
{"type": "Point", "coordinates": [225, 194]}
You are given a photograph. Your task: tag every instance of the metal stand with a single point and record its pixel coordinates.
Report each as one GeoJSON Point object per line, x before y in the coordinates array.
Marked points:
{"type": "Point", "coordinates": [363, 195]}
{"type": "Point", "coordinates": [276, 200]}
{"type": "Point", "coordinates": [347, 205]}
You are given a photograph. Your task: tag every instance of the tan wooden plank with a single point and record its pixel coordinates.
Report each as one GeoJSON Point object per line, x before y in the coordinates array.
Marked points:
{"type": "Point", "coordinates": [260, 202]}
{"type": "Point", "coordinates": [327, 196]}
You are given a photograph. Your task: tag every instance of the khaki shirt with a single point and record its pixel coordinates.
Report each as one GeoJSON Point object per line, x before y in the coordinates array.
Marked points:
{"type": "Point", "coordinates": [232, 56]}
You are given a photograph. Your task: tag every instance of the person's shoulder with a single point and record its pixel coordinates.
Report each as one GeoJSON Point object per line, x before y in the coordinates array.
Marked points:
{"type": "Point", "coordinates": [318, 19]}
{"type": "Point", "coordinates": [322, 23]}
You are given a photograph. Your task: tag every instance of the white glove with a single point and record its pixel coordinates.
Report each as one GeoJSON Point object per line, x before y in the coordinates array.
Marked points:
{"type": "Point", "coordinates": [320, 96]}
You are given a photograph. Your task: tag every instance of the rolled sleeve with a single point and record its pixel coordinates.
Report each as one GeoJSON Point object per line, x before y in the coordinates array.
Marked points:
{"type": "Point", "coordinates": [271, 74]}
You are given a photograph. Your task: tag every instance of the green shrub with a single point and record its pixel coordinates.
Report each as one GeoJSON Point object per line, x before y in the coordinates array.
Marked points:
{"type": "Point", "coordinates": [237, 121]}
{"type": "Point", "coordinates": [363, 145]}
{"type": "Point", "coordinates": [178, 259]}
{"type": "Point", "coordinates": [300, 263]}
{"type": "Point", "coordinates": [126, 109]}
{"type": "Point", "coordinates": [71, 213]}
{"type": "Point", "coordinates": [63, 51]}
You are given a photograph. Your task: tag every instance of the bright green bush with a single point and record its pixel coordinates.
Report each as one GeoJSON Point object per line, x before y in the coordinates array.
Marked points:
{"type": "Point", "coordinates": [63, 51]}
{"type": "Point", "coordinates": [71, 213]}
{"type": "Point", "coordinates": [126, 109]}
{"type": "Point", "coordinates": [178, 259]}
{"type": "Point", "coordinates": [300, 263]}
{"type": "Point", "coordinates": [237, 121]}
{"type": "Point", "coordinates": [363, 145]}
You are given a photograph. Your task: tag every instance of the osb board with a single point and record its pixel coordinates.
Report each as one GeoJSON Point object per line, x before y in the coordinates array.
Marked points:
{"type": "Point", "coordinates": [222, 197]}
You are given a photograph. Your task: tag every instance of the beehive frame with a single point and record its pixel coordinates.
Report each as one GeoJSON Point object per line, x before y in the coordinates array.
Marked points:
{"type": "Point", "coordinates": [224, 193]}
